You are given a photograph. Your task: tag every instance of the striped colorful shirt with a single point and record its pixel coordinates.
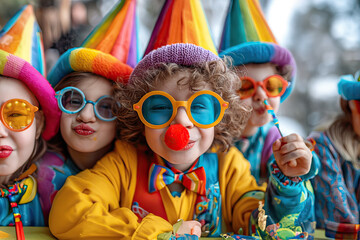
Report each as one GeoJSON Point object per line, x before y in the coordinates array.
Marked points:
{"type": "Point", "coordinates": [336, 187]}
{"type": "Point", "coordinates": [53, 170]}
{"type": "Point", "coordinates": [257, 149]}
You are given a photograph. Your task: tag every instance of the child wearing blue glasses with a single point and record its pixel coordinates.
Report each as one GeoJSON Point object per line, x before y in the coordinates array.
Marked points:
{"type": "Point", "coordinates": [174, 173]}
{"type": "Point", "coordinates": [88, 126]}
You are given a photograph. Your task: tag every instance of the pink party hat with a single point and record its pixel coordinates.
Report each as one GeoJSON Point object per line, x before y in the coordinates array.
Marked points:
{"type": "Point", "coordinates": [116, 34]}
{"type": "Point", "coordinates": [181, 21]}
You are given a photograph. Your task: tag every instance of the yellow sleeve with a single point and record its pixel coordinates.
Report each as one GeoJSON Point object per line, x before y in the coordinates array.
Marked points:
{"type": "Point", "coordinates": [96, 203]}
{"type": "Point", "coordinates": [239, 190]}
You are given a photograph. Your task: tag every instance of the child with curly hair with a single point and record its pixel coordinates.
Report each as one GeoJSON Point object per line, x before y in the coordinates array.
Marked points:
{"type": "Point", "coordinates": [175, 164]}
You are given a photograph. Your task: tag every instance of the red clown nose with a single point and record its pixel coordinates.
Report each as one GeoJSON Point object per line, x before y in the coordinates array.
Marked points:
{"type": "Point", "coordinates": [177, 137]}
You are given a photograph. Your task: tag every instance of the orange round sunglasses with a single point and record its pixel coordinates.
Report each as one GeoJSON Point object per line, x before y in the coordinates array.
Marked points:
{"type": "Point", "coordinates": [274, 86]}
{"type": "Point", "coordinates": [17, 114]}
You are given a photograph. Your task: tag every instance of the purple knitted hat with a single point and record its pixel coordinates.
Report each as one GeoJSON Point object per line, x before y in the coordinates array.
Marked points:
{"type": "Point", "coordinates": [180, 53]}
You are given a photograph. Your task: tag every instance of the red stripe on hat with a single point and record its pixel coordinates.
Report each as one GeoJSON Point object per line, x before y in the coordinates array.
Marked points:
{"type": "Point", "coordinates": [108, 66]}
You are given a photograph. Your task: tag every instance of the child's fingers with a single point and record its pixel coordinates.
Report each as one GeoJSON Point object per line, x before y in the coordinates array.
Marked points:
{"type": "Point", "coordinates": [292, 163]}
{"type": "Point", "coordinates": [196, 230]}
{"type": "Point", "coordinates": [190, 227]}
{"type": "Point", "coordinates": [292, 156]}
{"type": "Point", "coordinates": [276, 146]}
{"type": "Point", "coordinates": [292, 146]}
{"type": "Point", "coordinates": [292, 138]}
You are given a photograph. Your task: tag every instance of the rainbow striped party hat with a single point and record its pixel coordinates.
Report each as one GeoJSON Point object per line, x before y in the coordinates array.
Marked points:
{"type": "Point", "coordinates": [22, 58]}
{"type": "Point", "coordinates": [109, 50]}
{"type": "Point", "coordinates": [116, 34]}
{"type": "Point", "coordinates": [245, 22]}
{"type": "Point", "coordinates": [21, 36]}
{"type": "Point", "coordinates": [181, 21]}
{"type": "Point", "coordinates": [247, 38]}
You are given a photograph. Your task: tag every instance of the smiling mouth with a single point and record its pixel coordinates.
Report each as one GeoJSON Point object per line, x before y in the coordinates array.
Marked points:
{"type": "Point", "coordinates": [188, 146]}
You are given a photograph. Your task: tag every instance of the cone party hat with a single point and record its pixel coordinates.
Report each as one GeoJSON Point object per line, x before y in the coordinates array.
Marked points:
{"type": "Point", "coordinates": [247, 38]}
{"type": "Point", "coordinates": [22, 58]}
{"type": "Point", "coordinates": [181, 21]}
{"type": "Point", "coordinates": [245, 22]}
{"type": "Point", "coordinates": [110, 50]}
{"type": "Point", "coordinates": [116, 34]}
{"type": "Point", "coordinates": [21, 36]}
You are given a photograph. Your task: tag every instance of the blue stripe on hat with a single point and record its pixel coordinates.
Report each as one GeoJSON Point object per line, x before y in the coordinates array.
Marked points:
{"type": "Point", "coordinates": [349, 88]}
{"type": "Point", "coordinates": [250, 52]}
{"type": "Point", "coordinates": [262, 52]}
{"type": "Point", "coordinates": [61, 68]}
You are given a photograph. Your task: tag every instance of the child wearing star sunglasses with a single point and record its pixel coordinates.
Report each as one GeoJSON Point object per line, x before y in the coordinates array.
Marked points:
{"type": "Point", "coordinates": [174, 172]}
{"type": "Point", "coordinates": [336, 187]}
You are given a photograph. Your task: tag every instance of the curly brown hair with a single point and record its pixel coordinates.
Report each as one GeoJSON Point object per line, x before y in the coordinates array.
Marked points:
{"type": "Point", "coordinates": [214, 74]}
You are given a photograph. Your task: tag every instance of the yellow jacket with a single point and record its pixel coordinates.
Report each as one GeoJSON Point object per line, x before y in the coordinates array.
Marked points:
{"type": "Point", "coordinates": [96, 203]}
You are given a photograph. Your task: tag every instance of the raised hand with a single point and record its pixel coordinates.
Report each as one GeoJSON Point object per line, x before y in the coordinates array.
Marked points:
{"type": "Point", "coordinates": [292, 155]}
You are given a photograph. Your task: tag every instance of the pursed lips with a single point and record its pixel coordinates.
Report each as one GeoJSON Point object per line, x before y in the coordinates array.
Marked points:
{"type": "Point", "coordinates": [84, 130]}
{"type": "Point", "coordinates": [5, 151]}
{"type": "Point", "coordinates": [260, 110]}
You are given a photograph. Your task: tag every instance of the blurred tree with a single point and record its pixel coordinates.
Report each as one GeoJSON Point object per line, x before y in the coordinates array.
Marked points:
{"type": "Point", "coordinates": [325, 41]}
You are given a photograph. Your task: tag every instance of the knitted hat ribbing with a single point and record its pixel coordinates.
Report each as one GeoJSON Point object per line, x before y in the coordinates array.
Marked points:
{"type": "Point", "coordinates": [181, 53]}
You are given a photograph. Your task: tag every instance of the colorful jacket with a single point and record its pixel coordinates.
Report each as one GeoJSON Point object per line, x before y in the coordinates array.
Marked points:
{"type": "Point", "coordinates": [257, 149]}
{"type": "Point", "coordinates": [102, 197]}
{"type": "Point", "coordinates": [53, 170]}
{"type": "Point", "coordinates": [337, 186]}
{"type": "Point", "coordinates": [24, 193]}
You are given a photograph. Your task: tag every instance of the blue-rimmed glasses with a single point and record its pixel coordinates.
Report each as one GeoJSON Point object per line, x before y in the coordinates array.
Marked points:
{"type": "Point", "coordinates": [72, 100]}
